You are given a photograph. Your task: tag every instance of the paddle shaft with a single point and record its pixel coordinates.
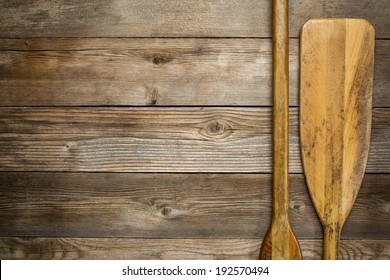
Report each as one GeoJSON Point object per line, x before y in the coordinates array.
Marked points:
{"type": "Point", "coordinates": [280, 242]}
{"type": "Point", "coordinates": [280, 89]}
{"type": "Point", "coordinates": [331, 243]}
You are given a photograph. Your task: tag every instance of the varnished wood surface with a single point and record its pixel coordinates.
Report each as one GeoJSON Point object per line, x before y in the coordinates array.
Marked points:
{"type": "Point", "coordinates": [337, 69]}
{"type": "Point", "coordinates": [172, 139]}
{"type": "Point", "coordinates": [173, 18]}
{"type": "Point", "coordinates": [152, 72]}
{"type": "Point", "coordinates": [210, 249]}
{"type": "Point", "coordinates": [280, 242]}
{"type": "Point", "coordinates": [172, 206]}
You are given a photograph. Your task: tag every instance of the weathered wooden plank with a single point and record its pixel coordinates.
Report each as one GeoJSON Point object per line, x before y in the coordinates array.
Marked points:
{"type": "Point", "coordinates": [164, 249]}
{"type": "Point", "coordinates": [135, 72]}
{"type": "Point", "coordinates": [155, 140]}
{"type": "Point", "coordinates": [173, 18]}
{"type": "Point", "coordinates": [39, 72]}
{"type": "Point", "coordinates": [172, 206]}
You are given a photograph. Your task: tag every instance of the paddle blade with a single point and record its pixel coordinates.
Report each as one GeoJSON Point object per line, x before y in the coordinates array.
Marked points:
{"type": "Point", "coordinates": [337, 62]}
{"type": "Point", "coordinates": [276, 248]}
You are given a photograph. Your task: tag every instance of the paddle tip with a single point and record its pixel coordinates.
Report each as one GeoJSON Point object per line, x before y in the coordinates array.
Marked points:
{"type": "Point", "coordinates": [362, 23]}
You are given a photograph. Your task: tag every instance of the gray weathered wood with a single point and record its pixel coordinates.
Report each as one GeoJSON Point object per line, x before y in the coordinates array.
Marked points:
{"type": "Point", "coordinates": [173, 18]}
{"type": "Point", "coordinates": [203, 211]}
{"type": "Point", "coordinates": [171, 206]}
{"type": "Point", "coordinates": [151, 72]}
{"type": "Point", "coordinates": [212, 249]}
{"type": "Point", "coordinates": [155, 140]}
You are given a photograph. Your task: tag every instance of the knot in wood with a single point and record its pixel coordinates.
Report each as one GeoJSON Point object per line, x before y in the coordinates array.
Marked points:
{"type": "Point", "coordinates": [297, 206]}
{"type": "Point", "coordinates": [216, 129]}
{"type": "Point", "coordinates": [158, 59]}
{"type": "Point", "coordinates": [165, 211]}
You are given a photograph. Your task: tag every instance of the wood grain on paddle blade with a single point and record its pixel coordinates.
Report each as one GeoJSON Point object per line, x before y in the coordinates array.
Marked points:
{"type": "Point", "coordinates": [337, 62]}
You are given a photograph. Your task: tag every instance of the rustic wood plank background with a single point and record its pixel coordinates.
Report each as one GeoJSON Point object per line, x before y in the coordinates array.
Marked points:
{"type": "Point", "coordinates": [218, 72]}
{"type": "Point", "coordinates": [130, 124]}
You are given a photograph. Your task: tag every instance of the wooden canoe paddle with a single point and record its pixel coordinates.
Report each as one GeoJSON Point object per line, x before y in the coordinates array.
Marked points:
{"type": "Point", "coordinates": [280, 242]}
{"type": "Point", "coordinates": [337, 65]}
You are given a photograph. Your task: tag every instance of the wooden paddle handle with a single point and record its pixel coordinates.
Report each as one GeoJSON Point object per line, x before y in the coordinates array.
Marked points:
{"type": "Point", "coordinates": [331, 244]}
{"type": "Point", "coordinates": [280, 107]}
{"type": "Point", "coordinates": [280, 242]}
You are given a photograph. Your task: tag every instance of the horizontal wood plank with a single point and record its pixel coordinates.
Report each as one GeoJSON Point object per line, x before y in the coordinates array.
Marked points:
{"type": "Point", "coordinates": [156, 140]}
{"type": "Point", "coordinates": [172, 206]}
{"type": "Point", "coordinates": [165, 249]}
{"type": "Point", "coordinates": [152, 72]}
{"type": "Point", "coordinates": [173, 18]}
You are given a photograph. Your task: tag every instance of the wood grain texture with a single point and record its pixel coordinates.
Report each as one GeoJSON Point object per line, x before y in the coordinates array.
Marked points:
{"type": "Point", "coordinates": [165, 215]}
{"type": "Point", "coordinates": [165, 249]}
{"type": "Point", "coordinates": [280, 242]}
{"type": "Point", "coordinates": [173, 18]}
{"type": "Point", "coordinates": [152, 72]}
{"type": "Point", "coordinates": [147, 72]}
{"type": "Point", "coordinates": [337, 69]}
{"type": "Point", "coordinates": [172, 206]}
{"type": "Point", "coordinates": [155, 140]}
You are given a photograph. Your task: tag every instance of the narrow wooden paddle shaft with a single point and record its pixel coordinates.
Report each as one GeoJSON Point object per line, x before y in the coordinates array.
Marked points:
{"type": "Point", "coordinates": [280, 108]}
{"type": "Point", "coordinates": [280, 242]}
{"type": "Point", "coordinates": [331, 244]}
